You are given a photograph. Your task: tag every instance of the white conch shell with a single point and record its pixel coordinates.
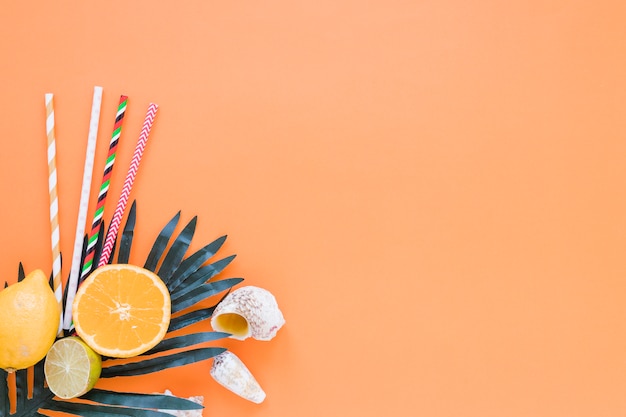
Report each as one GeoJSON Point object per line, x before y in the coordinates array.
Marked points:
{"type": "Point", "coordinates": [186, 413]}
{"type": "Point", "coordinates": [231, 373]}
{"type": "Point", "coordinates": [248, 312]}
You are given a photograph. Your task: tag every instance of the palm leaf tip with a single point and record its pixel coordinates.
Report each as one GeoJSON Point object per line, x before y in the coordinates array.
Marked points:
{"type": "Point", "coordinates": [161, 243]}
{"type": "Point", "coordinates": [123, 254]}
{"type": "Point", "coordinates": [203, 292]}
{"type": "Point", "coordinates": [177, 251]}
{"type": "Point", "coordinates": [192, 264]}
{"type": "Point", "coordinates": [20, 272]}
{"type": "Point", "coordinates": [199, 277]}
{"type": "Point", "coordinates": [190, 318]}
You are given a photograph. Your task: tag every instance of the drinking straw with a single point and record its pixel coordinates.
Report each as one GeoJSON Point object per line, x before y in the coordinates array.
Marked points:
{"type": "Point", "coordinates": [54, 204]}
{"type": "Point", "coordinates": [128, 184]}
{"type": "Point", "coordinates": [104, 188]}
{"type": "Point", "coordinates": [84, 203]}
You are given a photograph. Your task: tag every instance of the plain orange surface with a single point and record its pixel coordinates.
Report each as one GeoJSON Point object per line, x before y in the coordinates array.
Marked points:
{"type": "Point", "coordinates": [435, 191]}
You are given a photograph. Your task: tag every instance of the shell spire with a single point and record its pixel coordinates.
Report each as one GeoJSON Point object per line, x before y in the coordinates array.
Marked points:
{"type": "Point", "coordinates": [186, 413]}
{"type": "Point", "coordinates": [230, 372]}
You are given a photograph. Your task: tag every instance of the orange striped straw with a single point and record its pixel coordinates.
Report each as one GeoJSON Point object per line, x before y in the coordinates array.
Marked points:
{"type": "Point", "coordinates": [54, 205]}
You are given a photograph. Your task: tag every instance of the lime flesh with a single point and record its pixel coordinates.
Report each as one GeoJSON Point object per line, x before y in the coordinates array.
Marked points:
{"type": "Point", "coordinates": [71, 368]}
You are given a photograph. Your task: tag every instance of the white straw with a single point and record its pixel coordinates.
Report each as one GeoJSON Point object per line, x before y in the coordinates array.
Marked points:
{"type": "Point", "coordinates": [84, 204]}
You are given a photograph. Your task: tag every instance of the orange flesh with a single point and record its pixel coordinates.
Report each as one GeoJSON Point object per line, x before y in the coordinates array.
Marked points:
{"type": "Point", "coordinates": [122, 312]}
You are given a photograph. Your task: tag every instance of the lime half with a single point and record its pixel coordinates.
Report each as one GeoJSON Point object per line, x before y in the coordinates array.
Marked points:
{"type": "Point", "coordinates": [72, 368]}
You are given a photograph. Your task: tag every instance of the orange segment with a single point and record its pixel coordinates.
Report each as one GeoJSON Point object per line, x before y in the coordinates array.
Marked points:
{"type": "Point", "coordinates": [122, 310]}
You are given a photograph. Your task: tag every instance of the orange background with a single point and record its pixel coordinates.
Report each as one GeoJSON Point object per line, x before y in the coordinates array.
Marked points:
{"type": "Point", "coordinates": [435, 191]}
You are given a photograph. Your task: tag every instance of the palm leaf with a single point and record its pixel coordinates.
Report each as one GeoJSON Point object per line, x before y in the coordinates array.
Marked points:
{"type": "Point", "coordinates": [203, 292]}
{"type": "Point", "coordinates": [161, 243]}
{"type": "Point", "coordinates": [188, 319]}
{"type": "Point", "coordinates": [83, 251]}
{"type": "Point", "coordinates": [138, 400]}
{"type": "Point", "coordinates": [99, 244]}
{"type": "Point", "coordinates": [201, 276]}
{"type": "Point", "coordinates": [176, 253]}
{"type": "Point", "coordinates": [162, 362]}
{"type": "Point", "coordinates": [193, 262]}
{"type": "Point", "coordinates": [78, 281]}
{"type": "Point", "coordinates": [20, 273]}
{"type": "Point", "coordinates": [38, 380]}
{"type": "Point", "coordinates": [127, 235]}
{"type": "Point", "coordinates": [188, 285]}
{"type": "Point", "coordinates": [24, 407]}
{"type": "Point", "coordinates": [193, 317]}
{"type": "Point", "coordinates": [186, 341]}
{"type": "Point", "coordinates": [5, 404]}
{"type": "Point", "coordinates": [93, 410]}
{"type": "Point", "coordinates": [21, 387]}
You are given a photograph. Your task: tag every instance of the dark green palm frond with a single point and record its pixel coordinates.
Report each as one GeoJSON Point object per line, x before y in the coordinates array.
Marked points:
{"type": "Point", "coordinates": [127, 236]}
{"type": "Point", "coordinates": [83, 255]}
{"type": "Point", "coordinates": [24, 406]}
{"type": "Point", "coordinates": [39, 388]}
{"type": "Point", "coordinates": [135, 404]}
{"type": "Point", "coordinates": [203, 292]}
{"type": "Point", "coordinates": [200, 276]}
{"type": "Point", "coordinates": [5, 404]}
{"type": "Point", "coordinates": [78, 281]}
{"type": "Point", "coordinates": [186, 341]}
{"type": "Point", "coordinates": [147, 366]}
{"type": "Point", "coordinates": [129, 399]}
{"type": "Point", "coordinates": [99, 244]}
{"type": "Point", "coordinates": [177, 252]}
{"type": "Point", "coordinates": [190, 318]}
{"type": "Point", "coordinates": [193, 317]}
{"type": "Point", "coordinates": [93, 410]}
{"type": "Point", "coordinates": [188, 279]}
{"type": "Point", "coordinates": [20, 273]}
{"type": "Point", "coordinates": [194, 262]}
{"type": "Point", "coordinates": [161, 243]}
{"type": "Point", "coordinates": [21, 387]}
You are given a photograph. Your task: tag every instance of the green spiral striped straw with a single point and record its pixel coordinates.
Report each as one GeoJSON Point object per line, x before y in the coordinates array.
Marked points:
{"type": "Point", "coordinates": [104, 188]}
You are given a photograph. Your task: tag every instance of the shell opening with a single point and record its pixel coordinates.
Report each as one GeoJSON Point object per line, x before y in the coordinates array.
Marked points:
{"type": "Point", "coordinates": [232, 323]}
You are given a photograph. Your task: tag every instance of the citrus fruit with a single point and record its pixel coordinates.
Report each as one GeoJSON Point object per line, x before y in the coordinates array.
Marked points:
{"type": "Point", "coordinates": [29, 321]}
{"type": "Point", "coordinates": [121, 310]}
{"type": "Point", "coordinates": [72, 368]}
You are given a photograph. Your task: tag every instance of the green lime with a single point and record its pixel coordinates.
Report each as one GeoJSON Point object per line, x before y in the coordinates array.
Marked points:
{"type": "Point", "coordinates": [72, 368]}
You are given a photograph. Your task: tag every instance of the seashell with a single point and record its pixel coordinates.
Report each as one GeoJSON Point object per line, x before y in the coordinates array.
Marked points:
{"type": "Point", "coordinates": [185, 413]}
{"type": "Point", "coordinates": [248, 312]}
{"type": "Point", "coordinates": [231, 373]}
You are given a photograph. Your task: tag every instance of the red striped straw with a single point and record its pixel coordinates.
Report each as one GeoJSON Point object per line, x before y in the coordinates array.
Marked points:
{"type": "Point", "coordinates": [128, 185]}
{"type": "Point", "coordinates": [104, 189]}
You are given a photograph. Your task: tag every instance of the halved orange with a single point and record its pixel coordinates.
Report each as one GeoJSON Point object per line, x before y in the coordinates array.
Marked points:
{"type": "Point", "coordinates": [121, 310]}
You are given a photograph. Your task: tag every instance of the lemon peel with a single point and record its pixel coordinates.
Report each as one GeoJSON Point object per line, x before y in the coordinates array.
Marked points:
{"type": "Point", "coordinates": [29, 321]}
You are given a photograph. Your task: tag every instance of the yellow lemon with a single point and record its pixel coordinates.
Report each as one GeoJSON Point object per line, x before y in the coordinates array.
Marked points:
{"type": "Point", "coordinates": [29, 320]}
